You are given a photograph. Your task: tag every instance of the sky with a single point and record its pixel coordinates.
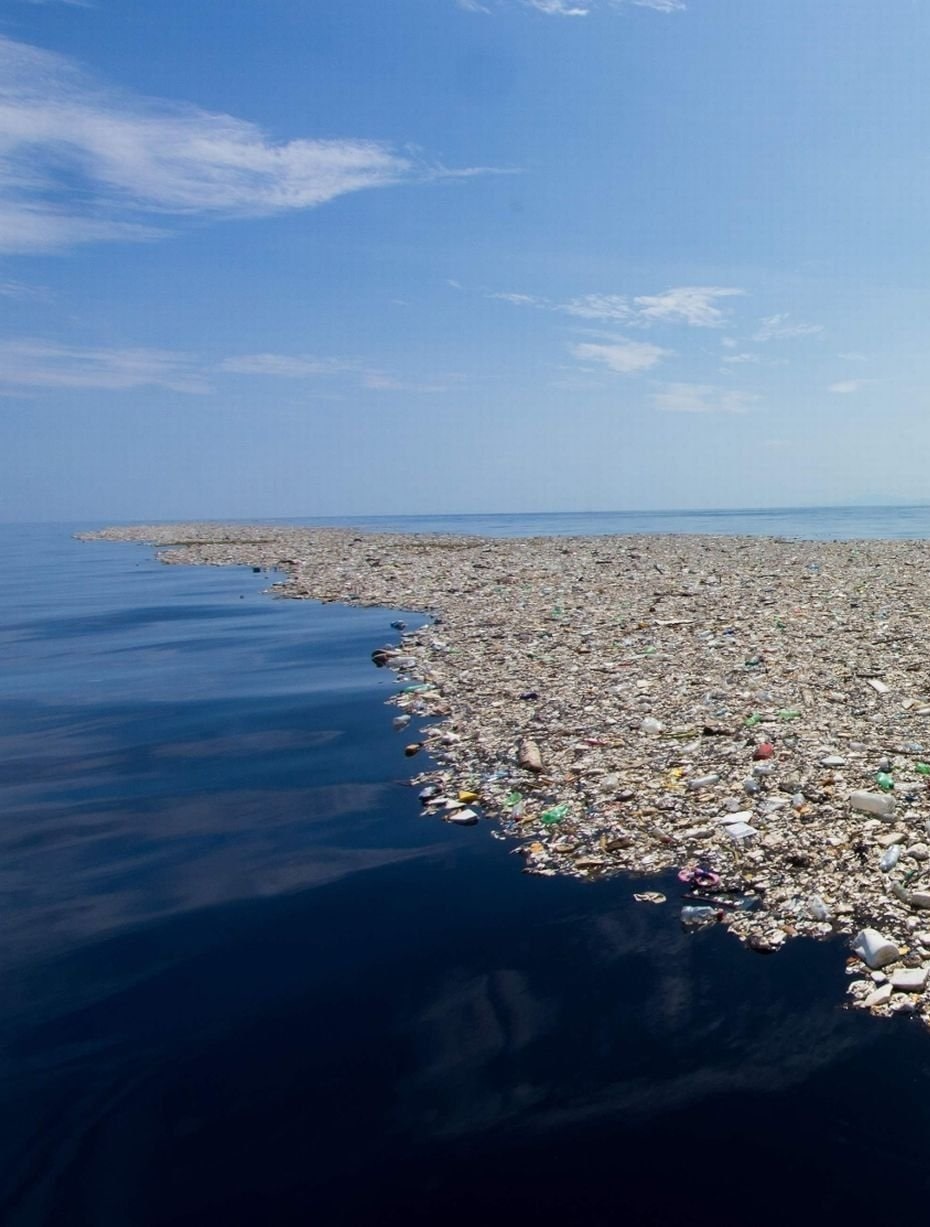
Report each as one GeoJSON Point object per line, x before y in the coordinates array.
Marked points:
{"type": "Point", "coordinates": [357, 257]}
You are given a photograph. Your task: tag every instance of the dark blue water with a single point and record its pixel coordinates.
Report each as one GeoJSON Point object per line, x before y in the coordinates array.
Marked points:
{"type": "Point", "coordinates": [244, 981]}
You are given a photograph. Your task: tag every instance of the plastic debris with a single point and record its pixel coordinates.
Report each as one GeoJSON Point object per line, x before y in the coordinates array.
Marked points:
{"type": "Point", "coordinates": [543, 666]}
{"type": "Point", "coordinates": [529, 756]}
{"type": "Point", "coordinates": [551, 816]}
{"type": "Point", "coordinates": [889, 858]}
{"type": "Point", "coordinates": [874, 949]}
{"type": "Point", "coordinates": [872, 803]}
{"type": "Point", "coordinates": [462, 817]}
{"type": "Point", "coordinates": [700, 914]}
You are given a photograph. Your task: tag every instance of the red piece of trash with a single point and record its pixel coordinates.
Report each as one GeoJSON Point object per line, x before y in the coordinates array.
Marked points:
{"type": "Point", "coordinates": [764, 750]}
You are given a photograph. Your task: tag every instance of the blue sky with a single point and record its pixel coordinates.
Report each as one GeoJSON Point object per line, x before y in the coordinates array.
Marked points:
{"type": "Point", "coordinates": [288, 257]}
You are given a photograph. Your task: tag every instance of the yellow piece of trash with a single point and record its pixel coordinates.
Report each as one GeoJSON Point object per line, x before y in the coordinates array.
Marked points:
{"type": "Point", "coordinates": [468, 796]}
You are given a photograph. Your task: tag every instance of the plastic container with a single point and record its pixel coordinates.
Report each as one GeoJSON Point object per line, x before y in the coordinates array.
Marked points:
{"type": "Point", "coordinates": [889, 858]}
{"type": "Point", "coordinates": [703, 781]}
{"type": "Point", "coordinates": [817, 909]}
{"type": "Point", "coordinates": [699, 914]}
{"type": "Point", "coordinates": [874, 950]}
{"type": "Point", "coordinates": [873, 803]}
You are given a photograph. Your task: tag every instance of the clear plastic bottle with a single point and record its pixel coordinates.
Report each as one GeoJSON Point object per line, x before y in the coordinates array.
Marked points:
{"type": "Point", "coordinates": [699, 914]}
{"type": "Point", "coordinates": [873, 803]}
{"type": "Point", "coordinates": [890, 858]}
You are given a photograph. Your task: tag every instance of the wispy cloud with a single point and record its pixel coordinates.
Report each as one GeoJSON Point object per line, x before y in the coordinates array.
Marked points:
{"type": "Point", "coordinates": [306, 366]}
{"type": "Point", "coordinates": [701, 398]}
{"type": "Point", "coordinates": [28, 293]}
{"type": "Point", "coordinates": [378, 381]}
{"type": "Point", "coordinates": [741, 359]}
{"type": "Point", "coordinates": [623, 356]}
{"type": "Point", "coordinates": [30, 362]}
{"type": "Point", "coordinates": [80, 163]}
{"type": "Point", "coordinates": [520, 300]}
{"type": "Point", "coordinates": [843, 387]}
{"type": "Point", "coordinates": [42, 364]}
{"type": "Point", "coordinates": [283, 366]}
{"type": "Point", "coordinates": [782, 327]}
{"type": "Point", "coordinates": [597, 307]}
{"type": "Point", "coordinates": [572, 8]}
{"type": "Point", "coordinates": [562, 8]}
{"type": "Point", "coordinates": [693, 305]}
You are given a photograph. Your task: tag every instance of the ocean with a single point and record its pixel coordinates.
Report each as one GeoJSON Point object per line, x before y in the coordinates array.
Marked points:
{"type": "Point", "coordinates": [244, 980]}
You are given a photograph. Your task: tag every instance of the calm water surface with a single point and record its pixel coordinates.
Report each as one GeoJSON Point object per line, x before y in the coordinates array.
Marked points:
{"type": "Point", "coordinates": [244, 981]}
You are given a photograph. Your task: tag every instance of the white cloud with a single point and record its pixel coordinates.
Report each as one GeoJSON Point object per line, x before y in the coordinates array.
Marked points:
{"type": "Point", "coordinates": [521, 300]}
{"type": "Point", "coordinates": [564, 8]}
{"type": "Point", "coordinates": [42, 364]}
{"type": "Point", "coordinates": [80, 163]}
{"type": "Point", "coordinates": [573, 8]}
{"type": "Point", "coordinates": [378, 381]}
{"type": "Point", "coordinates": [694, 305]}
{"type": "Point", "coordinates": [18, 289]}
{"type": "Point", "coordinates": [780, 328]}
{"type": "Point", "coordinates": [701, 398]}
{"type": "Point", "coordinates": [283, 366]}
{"type": "Point", "coordinates": [741, 359]}
{"type": "Point", "coordinates": [622, 356]}
{"type": "Point", "coordinates": [843, 387]}
{"type": "Point", "coordinates": [597, 307]}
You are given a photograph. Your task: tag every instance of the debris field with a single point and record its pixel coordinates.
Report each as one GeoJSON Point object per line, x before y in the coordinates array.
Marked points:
{"type": "Point", "coordinates": [754, 712]}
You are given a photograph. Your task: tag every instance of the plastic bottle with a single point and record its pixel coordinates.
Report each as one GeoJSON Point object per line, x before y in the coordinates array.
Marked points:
{"type": "Point", "coordinates": [874, 950]}
{"type": "Point", "coordinates": [817, 908]}
{"type": "Point", "coordinates": [699, 914]}
{"type": "Point", "coordinates": [873, 803]}
{"type": "Point", "coordinates": [884, 781]}
{"type": "Point", "coordinates": [889, 858]}
{"type": "Point", "coordinates": [702, 781]}
{"type": "Point", "coordinates": [550, 817]}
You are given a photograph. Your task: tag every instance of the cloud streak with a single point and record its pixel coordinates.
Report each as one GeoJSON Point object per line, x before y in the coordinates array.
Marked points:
{"type": "Point", "coordinates": [571, 8]}
{"type": "Point", "coordinates": [31, 363]}
{"type": "Point", "coordinates": [693, 305]}
{"type": "Point", "coordinates": [622, 356]}
{"type": "Point", "coordinates": [39, 364]}
{"type": "Point", "coordinates": [844, 387]}
{"type": "Point", "coordinates": [701, 398]}
{"type": "Point", "coordinates": [781, 328]}
{"type": "Point", "coordinates": [81, 163]}
{"type": "Point", "coordinates": [282, 366]}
